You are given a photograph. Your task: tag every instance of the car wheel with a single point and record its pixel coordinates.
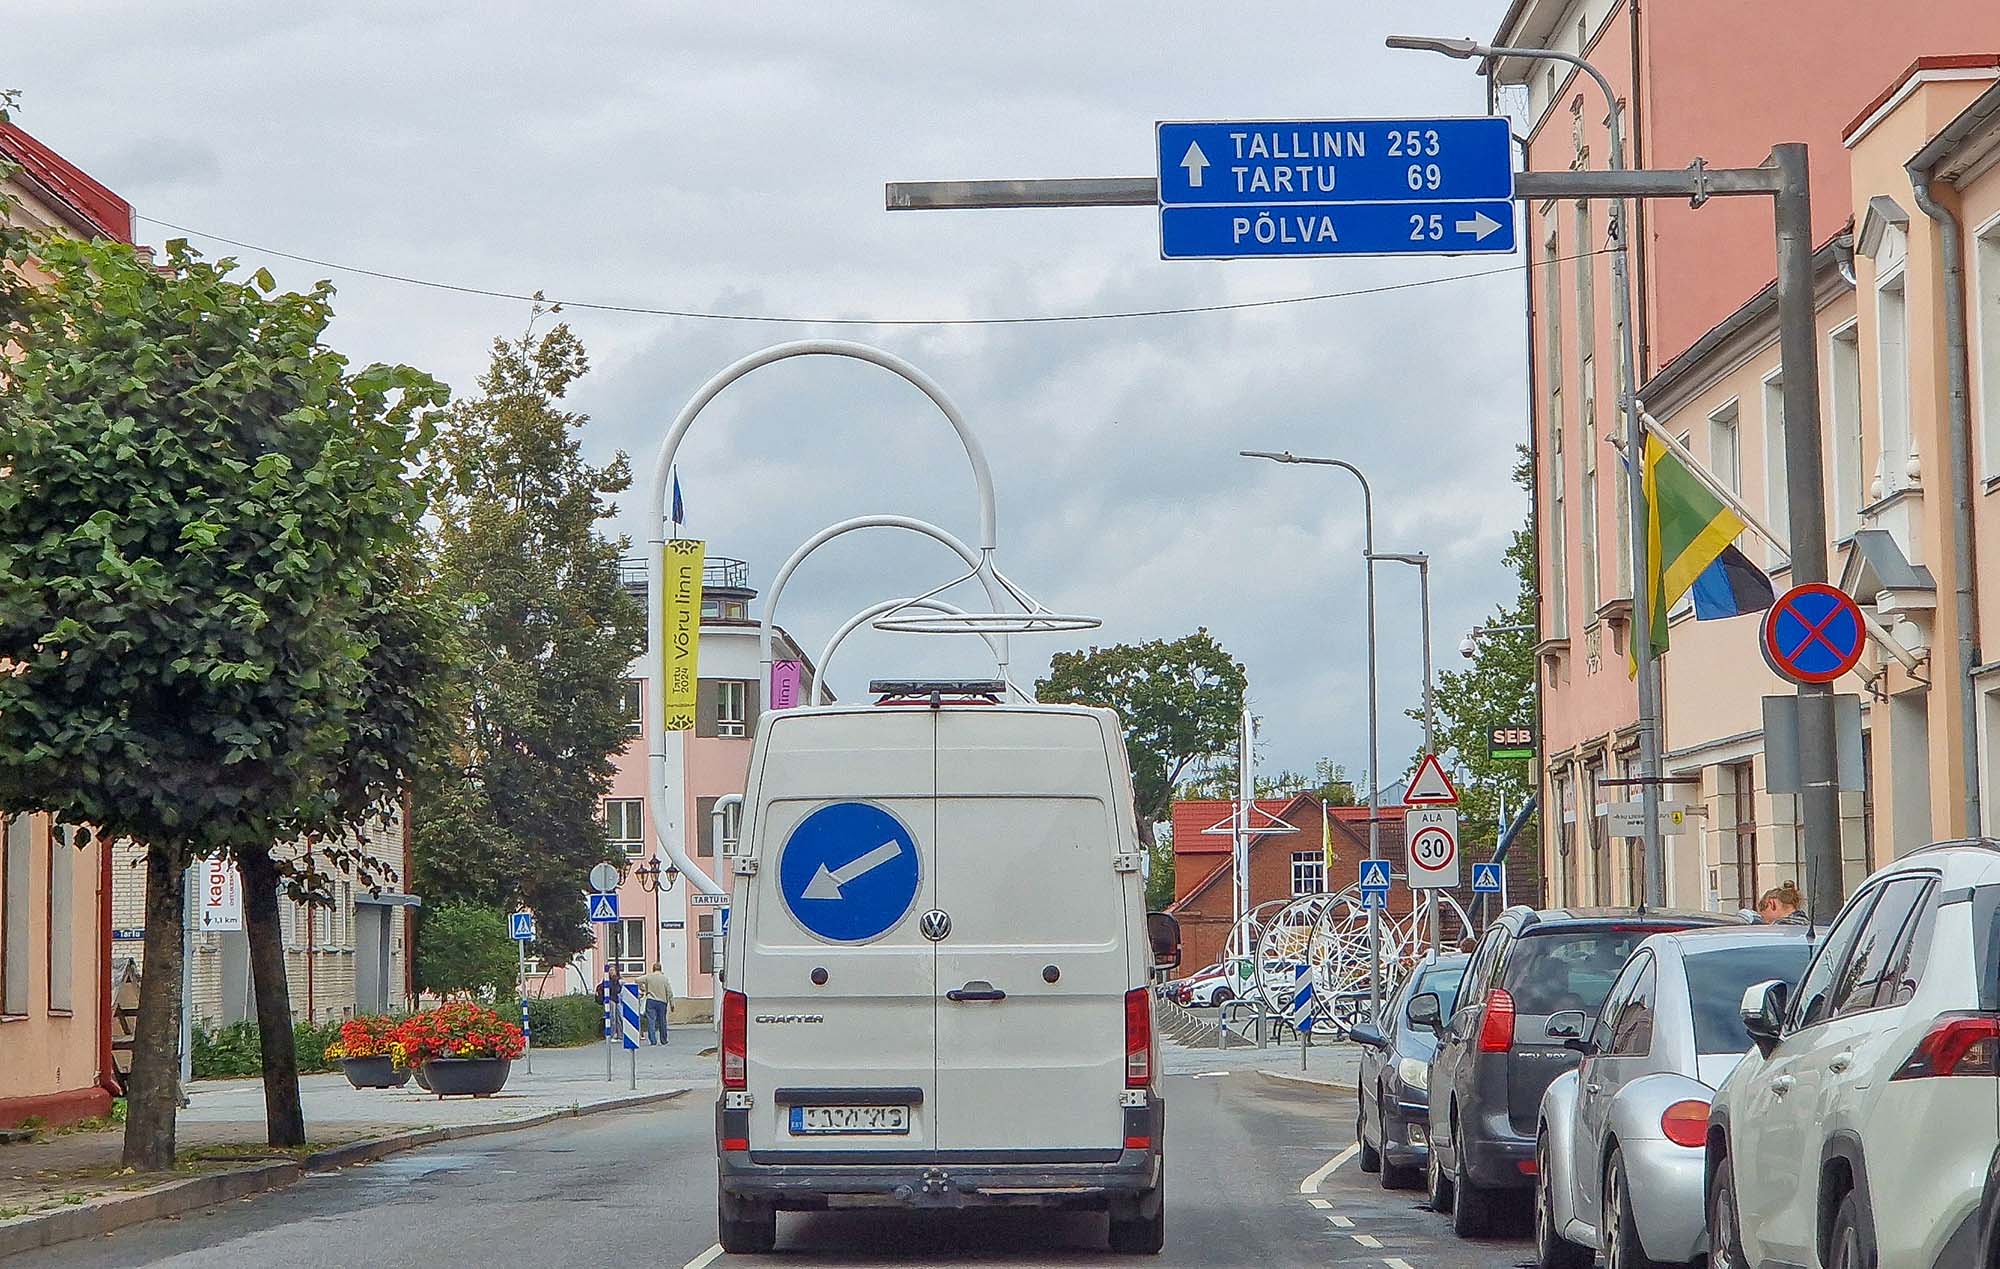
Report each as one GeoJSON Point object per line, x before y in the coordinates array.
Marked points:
{"type": "Point", "coordinates": [1725, 1230]}
{"type": "Point", "coordinates": [1552, 1250]}
{"type": "Point", "coordinates": [1371, 1158]}
{"type": "Point", "coordinates": [1395, 1176]}
{"type": "Point", "coordinates": [1471, 1205]}
{"type": "Point", "coordinates": [1139, 1226]}
{"type": "Point", "coordinates": [745, 1228]}
{"type": "Point", "coordinates": [1850, 1247]}
{"type": "Point", "coordinates": [1437, 1183]}
{"type": "Point", "coordinates": [1622, 1248]}
{"type": "Point", "coordinates": [1222, 996]}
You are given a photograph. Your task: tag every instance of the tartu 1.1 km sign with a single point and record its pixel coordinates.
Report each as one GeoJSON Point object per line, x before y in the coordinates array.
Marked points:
{"type": "Point", "coordinates": [1356, 187]}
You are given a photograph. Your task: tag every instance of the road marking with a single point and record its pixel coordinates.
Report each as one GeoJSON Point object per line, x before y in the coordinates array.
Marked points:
{"type": "Point", "coordinates": [1319, 1203]}
{"type": "Point", "coordinates": [1341, 1222]}
{"type": "Point", "coordinates": [1366, 1240]}
{"type": "Point", "coordinates": [707, 1257]}
{"type": "Point", "coordinates": [1311, 1184]}
{"type": "Point", "coordinates": [1206, 1075]}
{"type": "Point", "coordinates": [1394, 1262]}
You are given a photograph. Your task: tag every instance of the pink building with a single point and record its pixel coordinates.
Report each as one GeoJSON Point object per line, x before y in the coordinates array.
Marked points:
{"type": "Point", "coordinates": [667, 925]}
{"type": "Point", "coordinates": [1721, 82]}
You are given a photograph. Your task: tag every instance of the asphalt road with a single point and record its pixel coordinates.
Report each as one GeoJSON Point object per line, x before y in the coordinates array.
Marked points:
{"type": "Point", "coordinates": [1248, 1184]}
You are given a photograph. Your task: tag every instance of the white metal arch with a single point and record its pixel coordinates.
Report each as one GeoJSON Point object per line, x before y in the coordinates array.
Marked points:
{"type": "Point", "coordinates": [924, 602]}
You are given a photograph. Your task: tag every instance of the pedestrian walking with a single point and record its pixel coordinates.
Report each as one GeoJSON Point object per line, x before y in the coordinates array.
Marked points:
{"type": "Point", "coordinates": [659, 1002]}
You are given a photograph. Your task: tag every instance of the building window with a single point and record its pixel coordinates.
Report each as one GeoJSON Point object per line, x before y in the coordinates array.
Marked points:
{"type": "Point", "coordinates": [625, 824]}
{"type": "Point", "coordinates": [1850, 489]}
{"type": "Point", "coordinates": [1739, 817]}
{"type": "Point", "coordinates": [1778, 501]}
{"type": "Point", "coordinates": [634, 702]}
{"type": "Point", "coordinates": [1600, 857]}
{"type": "Point", "coordinates": [15, 846]}
{"type": "Point", "coordinates": [1725, 454]}
{"type": "Point", "coordinates": [1558, 574]}
{"type": "Point", "coordinates": [1893, 355]}
{"type": "Point", "coordinates": [1587, 530]}
{"type": "Point", "coordinates": [627, 945]}
{"type": "Point", "coordinates": [729, 694]}
{"type": "Point", "coordinates": [732, 826]}
{"type": "Point", "coordinates": [711, 609]}
{"type": "Point", "coordinates": [1565, 823]}
{"type": "Point", "coordinates": [710, 941]}
{"type": "Point", "coordinates": [1986, 281]}
{"type": "Point", "coordinates": [62, 917]}
{"type": "Point", "coordinates": [1308, 873]}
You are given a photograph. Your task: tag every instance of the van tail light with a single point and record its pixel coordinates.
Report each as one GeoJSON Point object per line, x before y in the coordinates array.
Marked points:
{"type": "Point", "coordinates": [1138, 1039]}
{"type": "Point", "coordinates": [735, 1041]}
{"type": "Point", "coordinates": [1686, 1123]}
{"type": "Point", "coordinates": [1496, 1033]}
{"type": "Point", "coordinates": [1956, 1044]}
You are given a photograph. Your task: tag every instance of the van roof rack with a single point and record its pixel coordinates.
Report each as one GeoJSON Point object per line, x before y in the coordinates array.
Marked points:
{"type": "Point", "coordinates": [934, 692]}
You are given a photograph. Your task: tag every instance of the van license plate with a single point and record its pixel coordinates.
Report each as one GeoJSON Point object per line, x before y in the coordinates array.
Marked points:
{"type": "Point", "coordinates": [843, 1119]}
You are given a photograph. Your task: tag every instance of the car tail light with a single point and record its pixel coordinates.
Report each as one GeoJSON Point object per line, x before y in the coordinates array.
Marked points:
{"type": "Point", "coordinates": [1138, 1039]}
{"type": "Point", "coordinates": [1496, 1033]}
{"type": "Point", "coordinates": [735, 1041]}
{"type": "Point", "coordinates": [1956, 1044]}
{"type": "Point", "coordinates": [1686, 1123]}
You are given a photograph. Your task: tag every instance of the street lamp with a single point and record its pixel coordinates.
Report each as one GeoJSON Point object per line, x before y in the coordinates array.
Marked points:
{"type": "Point", "coordinates": [1635, 448]}
{"type": "Point", "coordinates": [1468, 647]}
{"type": "Point", "coordinates": [1374, 728]}
{"type": "Point", "coordinates": [655, 878]}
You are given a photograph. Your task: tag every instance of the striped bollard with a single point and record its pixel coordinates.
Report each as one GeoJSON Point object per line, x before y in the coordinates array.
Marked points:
{"type": "Point", "coordinates": [630, 1007]}
{"type": "Point", "coordinates": [527, 1039]}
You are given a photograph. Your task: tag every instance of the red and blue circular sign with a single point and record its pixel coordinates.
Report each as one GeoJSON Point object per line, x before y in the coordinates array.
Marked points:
{"type": "Point", "coordinates": [1813, 633]}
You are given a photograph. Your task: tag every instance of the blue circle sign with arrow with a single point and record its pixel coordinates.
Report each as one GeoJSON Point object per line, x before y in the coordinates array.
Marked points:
{"type": "Point", "coordinates": [849, 872]}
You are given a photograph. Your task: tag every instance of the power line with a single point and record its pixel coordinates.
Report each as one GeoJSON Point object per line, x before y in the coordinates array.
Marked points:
{"type": "Point", "coordinates": [780, 319]}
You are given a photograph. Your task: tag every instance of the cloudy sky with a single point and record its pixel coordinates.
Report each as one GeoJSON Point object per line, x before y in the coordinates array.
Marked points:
{"type": "Point", "coordinates": [723, 156]}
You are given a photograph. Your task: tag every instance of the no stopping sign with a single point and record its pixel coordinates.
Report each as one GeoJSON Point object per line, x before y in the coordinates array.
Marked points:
{"type": "Point", "coordinates": [1432, 836]}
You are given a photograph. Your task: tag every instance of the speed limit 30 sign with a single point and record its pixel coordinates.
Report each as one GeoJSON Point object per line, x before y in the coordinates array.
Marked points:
{"type": "Point", "coordinates": [1432, 834]}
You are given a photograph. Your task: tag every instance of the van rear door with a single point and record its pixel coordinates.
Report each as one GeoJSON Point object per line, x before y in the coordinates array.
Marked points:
{"type": "Point", "coordinates": [841, 883]}
{"type": "Point", "coordinates": [1032, 975]}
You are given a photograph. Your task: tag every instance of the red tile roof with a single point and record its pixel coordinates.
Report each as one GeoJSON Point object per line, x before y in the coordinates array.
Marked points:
{"type": "Point", "coordinates": [95, 208]}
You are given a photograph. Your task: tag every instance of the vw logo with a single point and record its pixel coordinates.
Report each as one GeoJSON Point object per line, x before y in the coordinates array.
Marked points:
{"type": "Point", "coordinates": [936, 925]}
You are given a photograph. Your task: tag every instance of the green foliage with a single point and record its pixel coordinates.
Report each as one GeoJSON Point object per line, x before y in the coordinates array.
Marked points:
{"type": "Point", "coordinates": [1497, 690]}
{"type": "Point", "coordinates": [513, 819]}
{"type": "Point", "coordinates": [1160, 873]}
{"type": "Point", "coordinates": [560, 1022]}
{"type": "Point", "coordinates": [1180, 703]}
{"type": "Point", "coordinates": [234, 1051]}
{"type": "Point", "coordinates": [464, 949]}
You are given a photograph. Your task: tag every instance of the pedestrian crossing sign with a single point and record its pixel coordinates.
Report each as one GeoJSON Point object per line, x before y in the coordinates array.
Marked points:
{"type": "Point", "coordinates": [521, 926]}
{"type": "Point", "coordinates": [1375, 899]}
{"type": "Point", "coordinates": [1486, 879]}
{"type": "Point", "coordinates": [1375, 875]}
{"type": "Point", "coordinates": [603, 909]}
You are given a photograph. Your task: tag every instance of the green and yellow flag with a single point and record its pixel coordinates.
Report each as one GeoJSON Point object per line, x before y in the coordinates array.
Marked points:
{"type": "Point", "coordinates": [1688, 528]}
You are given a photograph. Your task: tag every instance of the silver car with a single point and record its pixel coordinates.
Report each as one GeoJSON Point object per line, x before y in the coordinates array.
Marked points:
{"type": "Point", "coordinates": [1619, 1150]}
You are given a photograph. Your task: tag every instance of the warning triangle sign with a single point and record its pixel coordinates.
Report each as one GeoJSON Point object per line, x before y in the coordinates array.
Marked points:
{"type": "Point", "coordinates": [1430, 786]}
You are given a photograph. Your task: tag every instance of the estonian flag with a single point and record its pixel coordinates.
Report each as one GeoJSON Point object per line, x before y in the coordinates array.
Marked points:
{"type": "Point", "coordinates": [680, 512]}
{"type": "Point", "coordinates": [1689, 539]}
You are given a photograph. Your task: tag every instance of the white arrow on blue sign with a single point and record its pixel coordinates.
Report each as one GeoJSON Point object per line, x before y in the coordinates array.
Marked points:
{"type": "Point", "coordinates": [1375, 875]}
{"type": "Point", "coordinates": [604, 908]}
{"type": "Point", "coordinates": [521, 926]}
{"type": "Point", "coordinates": [1486, 879]}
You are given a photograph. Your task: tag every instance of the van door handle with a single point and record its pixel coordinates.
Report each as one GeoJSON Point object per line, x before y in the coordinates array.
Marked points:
{"type": "Point", "coordinates": [1840, 1063]}
{"type": "Point", "coordinates": [1782, 1085]}
{"type": "Point", "coordinates": [977, 989]}
{"type": "Point", "coordinates": [1593, 1088]}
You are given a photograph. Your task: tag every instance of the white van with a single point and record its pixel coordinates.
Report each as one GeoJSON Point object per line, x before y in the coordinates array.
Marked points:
{"type": "Point", "coordinates": [937, 965]}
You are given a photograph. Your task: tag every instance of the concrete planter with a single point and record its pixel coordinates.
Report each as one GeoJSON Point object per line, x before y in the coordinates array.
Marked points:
{"type": "Point", "coordinates": [374, 1072]}
{"type": "Point", "coordinates": [466, 1077]}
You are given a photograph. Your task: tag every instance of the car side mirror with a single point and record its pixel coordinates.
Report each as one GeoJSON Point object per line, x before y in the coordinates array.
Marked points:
{"type": "Point", "coordinates": [1368, 1036]}
{"type": "Point", "coordinates": [1164, 933]}
{"type": "Point", "coordinates": [1426, 1010]}
{"type": "Point", "coordinates": [1763, 1012]}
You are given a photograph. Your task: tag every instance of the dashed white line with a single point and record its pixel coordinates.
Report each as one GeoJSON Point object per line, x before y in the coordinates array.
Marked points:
{"type": "Point", "coordinates": [1366, 1240]}
{"type": "Point", "coordinates": [1320, 1203]}
{"type": "Point", "coordinates": [1341, 1222]}
{"type": "Point", "coordinates": [706, 1258]}
{"type": "Point", "coordinates": [1311, 1184]}
{"type": "Point", "coordinates": [1394, 1262]}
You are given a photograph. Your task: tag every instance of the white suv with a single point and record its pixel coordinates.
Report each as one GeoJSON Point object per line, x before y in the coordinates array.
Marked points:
{"type": "Point", "coordinates": [1858, 1132]}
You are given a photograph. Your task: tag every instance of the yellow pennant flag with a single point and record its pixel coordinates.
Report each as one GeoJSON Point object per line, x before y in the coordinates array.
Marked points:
{"type": "Point", "coordinates": [1326, 842]}
{"type": "Point", "coordinates": [680, 630]}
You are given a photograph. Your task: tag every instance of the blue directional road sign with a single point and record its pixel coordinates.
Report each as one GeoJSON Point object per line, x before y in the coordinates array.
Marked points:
{"type": "Point", "coordinates": [1375, 876]}
{"type": "Point", "coordinates": [604, 908]}
{"type": "Point", "coordinates": [1486, 879]}
{"type": "Point", "coordinates": [521, 926]}
{"type": "Point", "coordinates": [849, 872]}
{"type": "Point", "coordinates": [1231, 190]}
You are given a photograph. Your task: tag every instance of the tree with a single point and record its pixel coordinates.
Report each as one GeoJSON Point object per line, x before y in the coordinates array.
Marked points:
{"type": "Point", "coordinates": [1180, 702]}
{"type": "Point", "coordinates": [467, 951]}
{"type": "Point", "coordinates": [198, 491]}
{"type": "Point", "coordinates": [513, 818]}
{"type": "Point", "coordinates": [1498, 690]}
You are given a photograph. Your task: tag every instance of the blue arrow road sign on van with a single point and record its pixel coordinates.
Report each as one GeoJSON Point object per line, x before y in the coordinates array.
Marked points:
{"type": "Point", "coordinates": [849, 872]}
{"type": "Point", "coordinates": [1486, 879]}
{"type": "Point", "coordinates": [604, 908]}
{"type": "Point", "coordinates": [521, 926]}
{"type": "Point", "coordinates": [1375, 875]}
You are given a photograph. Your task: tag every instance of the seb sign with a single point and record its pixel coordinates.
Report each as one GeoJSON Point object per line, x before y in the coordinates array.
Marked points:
{"type": "Point", "coordinates": [221, 896]}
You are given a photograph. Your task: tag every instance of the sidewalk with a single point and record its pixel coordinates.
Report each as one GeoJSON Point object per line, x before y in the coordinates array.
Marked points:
{"type": "Point", "coordinates": [71, 1185]}
{"type": "Point", "coordinates": [1334, 1064]}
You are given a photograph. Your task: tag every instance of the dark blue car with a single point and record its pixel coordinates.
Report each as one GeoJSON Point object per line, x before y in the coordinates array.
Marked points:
{"type": "Point", "coordinates": [1393, 1118]}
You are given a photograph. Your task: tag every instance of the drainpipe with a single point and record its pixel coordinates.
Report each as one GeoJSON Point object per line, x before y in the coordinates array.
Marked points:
{"type": "Point", "coordinates": [107, 1062]}
{"type": "Point", "coordinates": [1951, 241]}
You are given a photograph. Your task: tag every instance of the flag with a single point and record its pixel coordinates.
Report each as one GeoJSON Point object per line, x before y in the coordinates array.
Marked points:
{"type": "Point", "coordinates": [1689, 531]}
{"type": "Point", "coordinates": [680, 512]}
{"type": "Point", "coordinates": [1326, 844]}
{"type": "Point", "coordinates": [1731, 587]}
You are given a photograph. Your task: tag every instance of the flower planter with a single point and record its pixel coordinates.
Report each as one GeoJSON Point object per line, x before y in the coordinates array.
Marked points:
{"type": "Point", "coordinates": [466, 1077]}
{"type": "Point", "coordinates": [423, 1080]}
{"type": "Point", "coordinates": [374, 1072]}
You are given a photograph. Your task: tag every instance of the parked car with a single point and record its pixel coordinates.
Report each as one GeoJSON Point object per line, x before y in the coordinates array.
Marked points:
{"type": "Point", "coordinates": [1859, 1129]}
{"type": "Point", "coordinates": [1497, 1054]}
{"type": "Point", "coordinates": [1214, 985]}
{"type": "Point", "coordinates": [1393, 1119]}
{"type": "Point", "coordinates": [1618, 1154]}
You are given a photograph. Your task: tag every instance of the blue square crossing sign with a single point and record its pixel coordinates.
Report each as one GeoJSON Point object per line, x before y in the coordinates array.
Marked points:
{"type": "Point", "coordinates": [521, 926]}
{"type": "Point", "coordinates": [1358, 187]}
{"type": "Point", "coordinates": [1375, 875]}
{"type": "Point", "coordinates": [1486, 879]}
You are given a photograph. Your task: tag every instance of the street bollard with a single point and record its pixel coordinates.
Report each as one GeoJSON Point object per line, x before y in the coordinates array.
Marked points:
{"type": "Point", "coordinates": [631, 1007]}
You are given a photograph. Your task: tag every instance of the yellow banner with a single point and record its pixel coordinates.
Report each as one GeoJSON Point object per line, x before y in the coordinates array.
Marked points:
{"type": "Point", "coordinates": [680, 633]}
